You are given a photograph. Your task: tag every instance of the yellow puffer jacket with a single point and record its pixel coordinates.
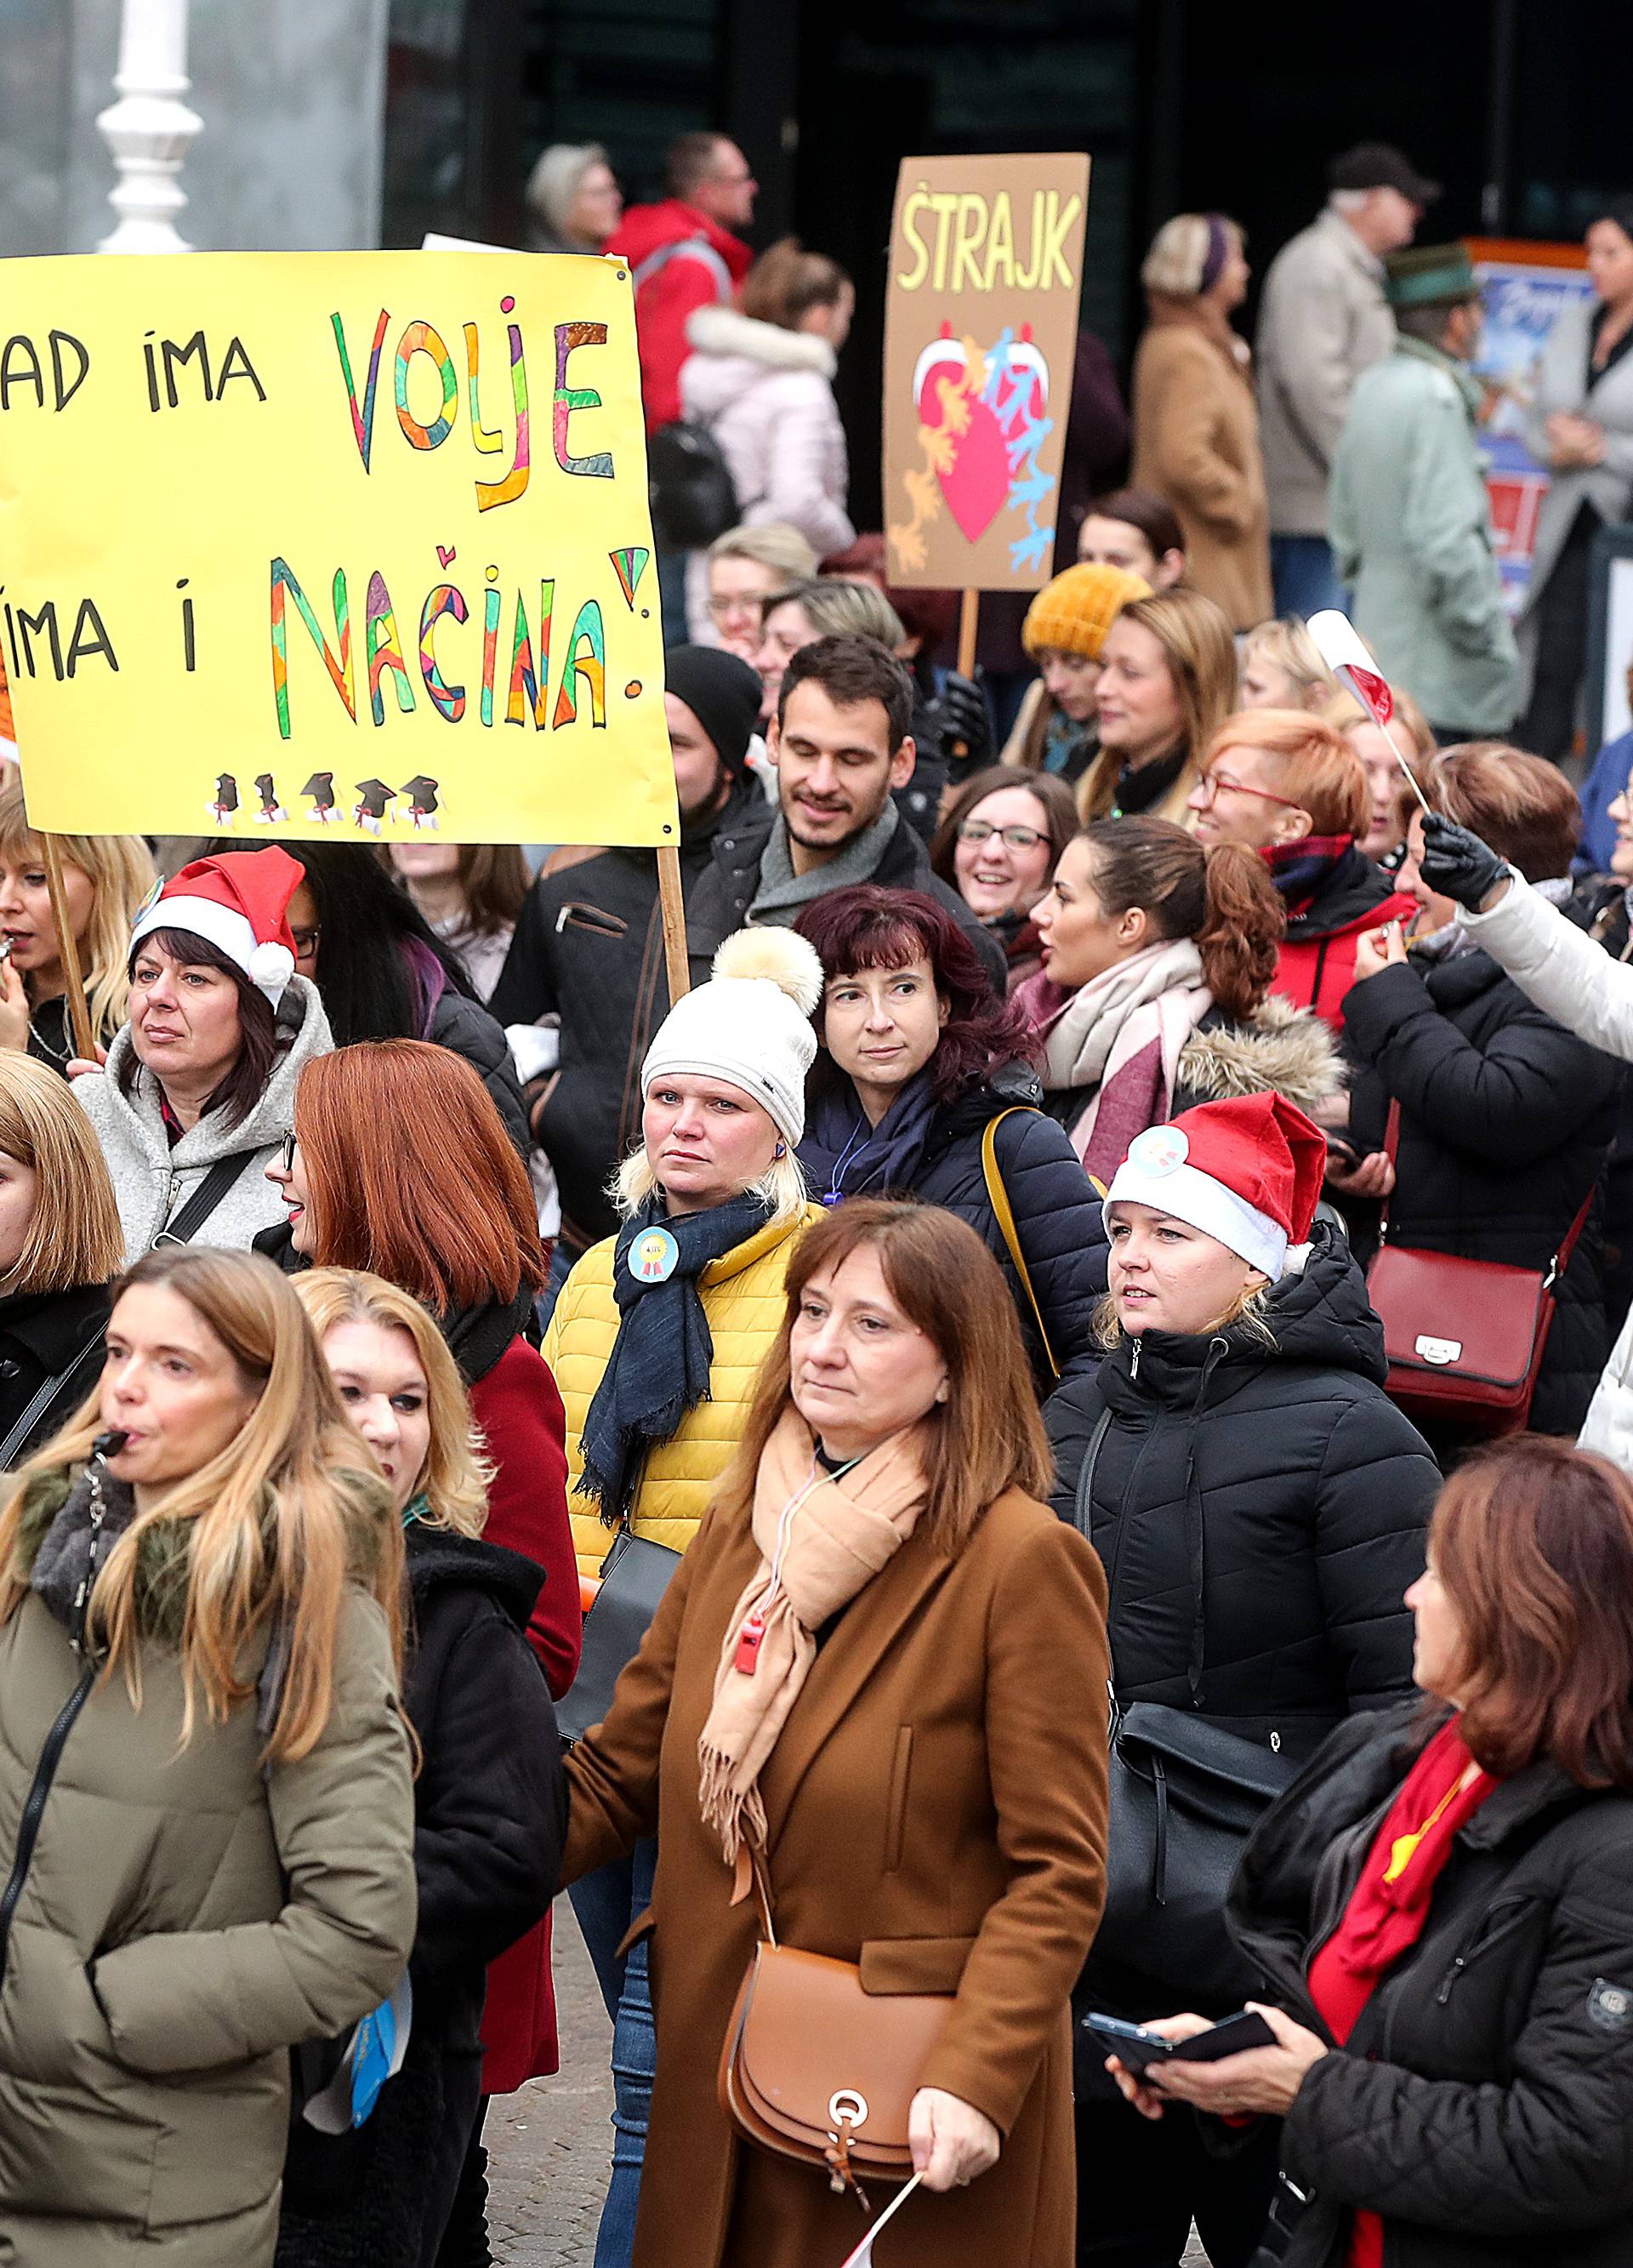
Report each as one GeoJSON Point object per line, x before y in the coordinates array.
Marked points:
{"type": "Point", "coordinates": [742, 1295]}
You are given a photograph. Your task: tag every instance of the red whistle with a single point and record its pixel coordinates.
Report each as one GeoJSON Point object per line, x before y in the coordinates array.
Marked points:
{"type": "Point", "coordinates": [748, 1642]}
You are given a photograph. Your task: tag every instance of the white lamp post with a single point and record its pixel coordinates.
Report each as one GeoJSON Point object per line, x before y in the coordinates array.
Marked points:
{"type": "Point", "coordinates": [149, 126]}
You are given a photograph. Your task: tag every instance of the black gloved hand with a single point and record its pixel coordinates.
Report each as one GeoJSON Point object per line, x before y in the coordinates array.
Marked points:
{"type": "Point", "coordinates": [1456, 864]}
{"type": "Point", "coordinates": [961, 715]}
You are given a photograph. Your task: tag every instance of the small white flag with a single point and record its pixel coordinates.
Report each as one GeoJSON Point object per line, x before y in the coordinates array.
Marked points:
{"type": "Point", "coordinates": [863, 2256]}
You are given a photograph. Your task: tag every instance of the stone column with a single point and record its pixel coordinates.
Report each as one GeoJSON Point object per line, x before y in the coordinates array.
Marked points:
{"type": "Point", "coordinates": [149, 126]}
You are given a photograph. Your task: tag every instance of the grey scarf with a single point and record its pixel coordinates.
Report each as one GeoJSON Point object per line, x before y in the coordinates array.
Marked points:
{"type": "Point", "coordinates": [782, 893]}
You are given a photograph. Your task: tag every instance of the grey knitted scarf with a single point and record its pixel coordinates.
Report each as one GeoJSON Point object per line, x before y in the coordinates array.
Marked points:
{"type": "Point", "coordinates": [782, 893]}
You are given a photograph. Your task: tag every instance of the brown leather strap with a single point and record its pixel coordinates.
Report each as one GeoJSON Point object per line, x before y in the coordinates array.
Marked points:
{"type": "Point", "coordinates": [750, 1873]}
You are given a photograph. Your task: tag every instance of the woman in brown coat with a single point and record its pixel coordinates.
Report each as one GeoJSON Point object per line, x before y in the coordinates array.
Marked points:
{"type": "Point", "coordinates": [918, 1747]}
{"type": "Point", "coordinates": [1195, 421]}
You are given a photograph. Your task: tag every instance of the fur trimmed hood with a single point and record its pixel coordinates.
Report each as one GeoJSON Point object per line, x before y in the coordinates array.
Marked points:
{"type": "Point", "coordinates": [165, 1554]}
{"type": "Point", "coordinates": [1278, 1049]}
{"type": "Point", "coordinates": [722, 331]}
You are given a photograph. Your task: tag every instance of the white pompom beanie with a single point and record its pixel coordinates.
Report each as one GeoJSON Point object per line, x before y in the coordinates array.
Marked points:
{"type": "Point", "coordinates": [750, 1025]}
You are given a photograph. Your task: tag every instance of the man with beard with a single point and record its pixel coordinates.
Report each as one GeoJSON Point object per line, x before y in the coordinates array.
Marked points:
{"type": "Point", "coordinates": [841, 746]}
{"type": "Point", "coordinates": [589, 946]}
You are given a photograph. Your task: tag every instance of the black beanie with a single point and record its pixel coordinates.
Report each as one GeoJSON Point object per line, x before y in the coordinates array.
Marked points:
{"type": "Point", "coordinates": [722, 692]}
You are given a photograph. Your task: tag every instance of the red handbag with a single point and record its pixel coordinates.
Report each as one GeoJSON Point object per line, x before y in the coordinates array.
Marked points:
{"type": "Point", "coordinates": [1465, 1338]}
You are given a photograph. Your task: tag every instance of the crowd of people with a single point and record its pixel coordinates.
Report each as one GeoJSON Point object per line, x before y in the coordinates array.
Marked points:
{"type": "Point", "coordinates": [1136, 1202]}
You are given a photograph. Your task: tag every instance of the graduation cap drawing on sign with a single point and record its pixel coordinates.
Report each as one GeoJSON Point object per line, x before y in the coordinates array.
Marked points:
{"type": "Point", "coordinates": [272, 810]}
{"type": "Point", "coordinates": [423, 797]}
{"type": "Point", "coordinates": [374, 798]}
{"type": "Point", "coordinates": [320, 788]}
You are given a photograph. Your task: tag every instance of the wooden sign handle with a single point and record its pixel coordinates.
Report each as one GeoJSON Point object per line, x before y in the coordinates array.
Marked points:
{"type": "Point", "coordinates": [67, 952]}
{"type": "Point", "coordinates": [969, 615]}
{"type": "Point", "coordinates": [672, 906]}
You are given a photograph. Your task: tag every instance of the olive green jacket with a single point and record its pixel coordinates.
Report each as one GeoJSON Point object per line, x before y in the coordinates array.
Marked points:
{"type": "Point", "coordinates": [186, 1917]}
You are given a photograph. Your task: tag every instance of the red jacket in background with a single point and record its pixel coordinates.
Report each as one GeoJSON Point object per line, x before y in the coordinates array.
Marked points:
{"type": "Point", "coordinates": [680, 259]}
{"type": "Point", "coordinates": [1316, 965]}
{"type": "Point", "coordinates": [519, 1411]}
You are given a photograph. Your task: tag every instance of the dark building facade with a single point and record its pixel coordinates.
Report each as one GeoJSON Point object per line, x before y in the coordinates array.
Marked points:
{"type": "Point", "coordinates": [1517, 108]}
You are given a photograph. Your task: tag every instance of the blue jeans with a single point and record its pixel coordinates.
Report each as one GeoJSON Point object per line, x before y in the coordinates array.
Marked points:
{"type": "Point", "coordinates": [1305, 580]}
{"type": "Point", "coordinates": [560, 1269]}
{"type": "Point", "coordinates": [606, 1902]}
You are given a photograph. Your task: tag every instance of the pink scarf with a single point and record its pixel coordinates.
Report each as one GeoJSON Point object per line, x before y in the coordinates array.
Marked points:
{"type": "Point", "coordinates": [822, 1537]}
{"type": "Point", "coordinates": [1120, 1034]}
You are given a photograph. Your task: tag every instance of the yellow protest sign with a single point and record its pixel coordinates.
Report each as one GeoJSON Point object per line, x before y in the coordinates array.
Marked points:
{"type": "Point", "coordinates": [981, 332]}
{"type": "Point", "coordinates": [351, 543]}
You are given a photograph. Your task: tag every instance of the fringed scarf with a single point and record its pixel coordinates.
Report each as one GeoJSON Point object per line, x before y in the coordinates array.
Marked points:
{"type": "Point", "coordinates": [821, 1539]}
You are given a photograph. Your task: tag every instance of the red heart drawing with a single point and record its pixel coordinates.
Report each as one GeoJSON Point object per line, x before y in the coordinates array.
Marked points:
{"type": "Point", "coordinates": [444, 558]}
{"type": "Point", "coordinates": [978, 481]}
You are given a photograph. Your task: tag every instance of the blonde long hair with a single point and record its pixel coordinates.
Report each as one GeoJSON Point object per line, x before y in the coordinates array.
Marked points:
{"type": "Point", "coordinates": [74, 1237]}
{"type": "Point", "coordinates": [120, 870]}
{"type": "Point", "coordinates": [281, 1519]}
{"type": "Point", "coordinates": [457, 1475]}
{"type": "Point", "coordinates": [1199, 648]}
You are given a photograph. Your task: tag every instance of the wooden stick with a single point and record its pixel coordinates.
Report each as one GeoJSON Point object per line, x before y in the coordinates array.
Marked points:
{"type": "Point", "coordinates": [68, 953]}
{"type": "Point", "coordinates": [969, 614]}
{"type": "Point", "coordinates": [672, 906]}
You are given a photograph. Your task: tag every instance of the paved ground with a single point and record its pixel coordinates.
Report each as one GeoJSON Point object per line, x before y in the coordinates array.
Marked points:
{"type": "Point", "coordinates": [549, 2145]}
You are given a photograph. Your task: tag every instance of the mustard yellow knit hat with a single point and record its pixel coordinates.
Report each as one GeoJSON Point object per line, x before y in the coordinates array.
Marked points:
{"type": "Point", "coordinates": [1075, 611]}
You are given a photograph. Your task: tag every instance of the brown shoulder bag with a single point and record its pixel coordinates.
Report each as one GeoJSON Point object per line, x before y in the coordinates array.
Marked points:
{"type": "Point", "coordinates": [816, 2069]}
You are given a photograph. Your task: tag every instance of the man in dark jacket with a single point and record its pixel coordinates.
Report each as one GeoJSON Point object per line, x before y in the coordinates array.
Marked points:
{"type": "Point", "coordinates": [589, 947]}
{"type": "Point", "coordinates": [841, 745]}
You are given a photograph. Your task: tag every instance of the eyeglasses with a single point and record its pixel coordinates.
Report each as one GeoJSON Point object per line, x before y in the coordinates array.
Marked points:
{"type": "Point", "coordinates": [1216, 782]}
{"type": "Point", "coordinates": [286, 1151]}
{"type": "Point", "coordinates": [1014, 838]}
{"type": "Point", "coordinates": [740, 602]}
{"type": "Point", "coordinates": [306, 941]}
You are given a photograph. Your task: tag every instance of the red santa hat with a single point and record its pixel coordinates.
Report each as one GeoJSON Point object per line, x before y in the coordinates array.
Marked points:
{"type": "Point", "coordinates": [1247, 1172]}
{"type": "Point", "coordinates": [240, 905]}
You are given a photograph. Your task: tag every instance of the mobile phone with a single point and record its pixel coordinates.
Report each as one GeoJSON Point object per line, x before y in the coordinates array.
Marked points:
{"type": "Point", "coordinates": [1340, 1146]}
{"type": "Point", "coordinates": [1138, 2048]}
{"type": "Point", "coordinates": [1135, 2047]}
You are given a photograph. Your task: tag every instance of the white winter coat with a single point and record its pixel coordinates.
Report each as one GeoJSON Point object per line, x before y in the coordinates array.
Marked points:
{"type": "Point", "coordinates": [152, 1182]}
{"type": "Point", "coordinates": [767, 395]}
{"type": "Point", "coordinates": [1577, 982]}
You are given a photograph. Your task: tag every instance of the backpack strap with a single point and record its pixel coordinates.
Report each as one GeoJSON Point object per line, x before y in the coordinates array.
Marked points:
{"type": "Point", "coordinates": [203, 1201]}
{"type": "Point", "coordinates": [43, 1398]}
{"type": "Point", "coordinates": [687, 248]}
{"type": "Point", "coordinates": [1003, 1213]}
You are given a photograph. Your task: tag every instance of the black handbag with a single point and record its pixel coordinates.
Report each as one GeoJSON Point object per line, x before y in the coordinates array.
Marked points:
{"type": "Point", "coordinates": [1184, 1792]}
{"type": "Point", "coordinates": [635, 1575]}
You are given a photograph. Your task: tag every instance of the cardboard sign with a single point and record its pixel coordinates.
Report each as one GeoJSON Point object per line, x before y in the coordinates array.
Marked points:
{"type": "Point", "coordinates": [981, 334]}
{"type": "Point", "coordinates": [353, 543]}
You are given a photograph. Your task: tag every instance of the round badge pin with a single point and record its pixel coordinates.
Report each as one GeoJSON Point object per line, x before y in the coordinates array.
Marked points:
{"type": "Point", "coordinates": [1160, 1150]}
{"type": "Point", "coordinates": [653, 1256]}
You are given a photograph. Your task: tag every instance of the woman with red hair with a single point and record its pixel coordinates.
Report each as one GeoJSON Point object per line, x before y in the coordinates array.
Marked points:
{"type": "Point", "coordinates": [400, 1164]}
{"type": "Point", "coordinates": [1443, 1906]}
{"type": "Point", "coordinates": [1290, 786]}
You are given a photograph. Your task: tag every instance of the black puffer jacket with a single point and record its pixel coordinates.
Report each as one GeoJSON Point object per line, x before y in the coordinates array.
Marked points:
{"type": "Point", "coordinates": [1505, 1123]}
{"type": "Point", "coordinates": [468, 1029]}
{"type": "Point", "coordinates": [491, 1817]}
{"type": "Point", "coordinates": [1313, 1491]}
{"type": "Point", "coordinates": [718, 905]}
{"type": "Point", "coordinates": [589, 950]}
{"type": "Point", "coordinates": [42, 1335]}
{"type": "Point", "coordinates": [1484, 2104]}
{"type": "Point", "coordinates": [1056, 1211]}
